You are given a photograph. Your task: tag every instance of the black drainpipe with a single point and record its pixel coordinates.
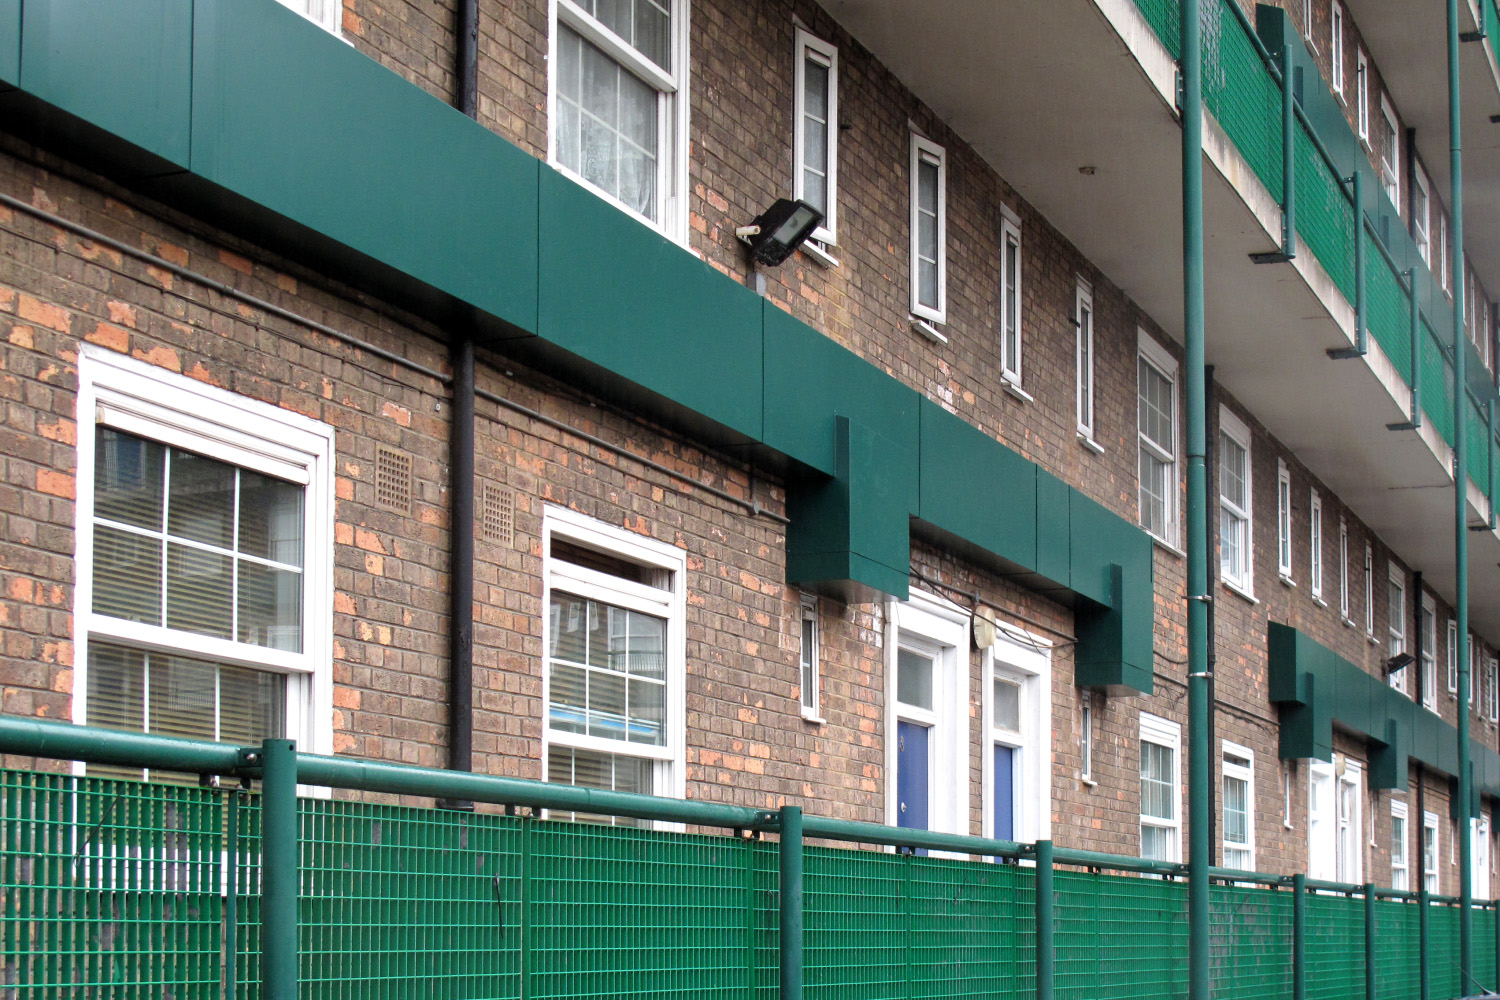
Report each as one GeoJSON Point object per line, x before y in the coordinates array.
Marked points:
{"type": "Point", "coordinates": [461, 470]}
{"type": "Point", "coordinates": [1416, 579]}
{"type": "Point", "coordinates": [1210, 457]}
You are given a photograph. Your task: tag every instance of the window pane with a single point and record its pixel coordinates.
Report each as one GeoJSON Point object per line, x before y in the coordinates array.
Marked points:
{"type": "Point", "coordinates": [1007, 705]}
{"type": "Point", "coordinates": [1012, 302]}
{"type": "Point", "coordinates": [1236, 811]}
{"type": "Point", "coordinates": [1232, 471]}
{"type": "Point", "coordinates": [128, 474]}
{"type": "Point", "coordinates": [607, 671]}
{"type": "Point", "coordinates": [182, 696]}
{"type": "Point", "coordinates": [815, 134]}
{"type": "Point", "coordinates": [614, 117]}
{"type": "Point", "coordinates": [568, 708]}
{"type": "Point", "coordinates": [270, 518]}
{"type": "Point", "coordinates": [127, 575]}
{"type": "Point", "coordinates": [252, 705]}
{"type": "Point", "coordinates": [199, 585]}
{"type": "Point", "coordinates": [1158, 844]}
{"type": "Point", "coordinates": [270, 607]}
{"type": "Point", "coordinates": [200, 499]}
{"type": "Point", "coordinates": [914, 679]}
{"type": "Point", "coordinates": [1157, 798]}
{"type": "Point", "coordinates": [606, 714]}
{"type": "Point", "coordinates": [117, 692]}
{"type": "Point", "coordinates": [1153, 475]}
{"type": "Point", "coordinates": [588, 769]}
{"type": "Point", "coordinates": [647, 712]}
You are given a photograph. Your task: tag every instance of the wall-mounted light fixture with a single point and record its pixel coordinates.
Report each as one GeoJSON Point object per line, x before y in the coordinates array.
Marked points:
{"type": "Point", "coordinates": [780, 230]}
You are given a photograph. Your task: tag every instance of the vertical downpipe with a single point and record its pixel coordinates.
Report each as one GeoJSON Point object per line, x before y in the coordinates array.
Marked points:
{"type": "Point", "coordinates": [461, 570]}
{"type": "Point", "coordinates": [467, 70]}
{"type": "Point", "coordinates": [1197, 520]}
{"type": "Point", "coordinates": [790, 857]}
{"type": "Point", "coordinates": [1046, 953]}
{"type": "Point", "coordinates": [1460, 514]}
{"type": "Point", "coordinates": [278, 880]}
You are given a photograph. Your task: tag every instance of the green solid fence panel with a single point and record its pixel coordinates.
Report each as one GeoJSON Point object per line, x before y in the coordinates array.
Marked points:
{"type": "Point", "coordinates": [1250, 943]}
{"type": "Point", "coordinates": [1335, 947]}
{"type": "Point", "coordinates": [1120, 937]}
{"type": "Point", "coordinates": [1397, 964]}
{"type": "Point", "coordinates": [1240, 92]}
{"type": "Point", "coordinates": [109, 888]}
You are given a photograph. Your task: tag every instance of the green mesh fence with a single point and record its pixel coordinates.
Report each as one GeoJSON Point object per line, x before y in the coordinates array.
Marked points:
{"type": "Point", "coordinates": [1241, 94]}
{"type": "Point", "coordinates": [1437, 385]}
{"type": "Point", "coordinates": [1251, 942]}
{"type": "Point", "coordinates": [110, 888]}
{"type": "Point", "coordinates": [1165, 18]}
{"type": "Point", "coordinates": [1335, 947]}
{"type": "Point", "coordinates": [1443, 951]}
{"type": "Point", "coordinates": [1484, 948]}
{"type": "Point", "coordinates": [1478, 456]}
{"type": "Point", "coordinates": [1120, 936]}
{"type": "Point", "coordinates": [1387, 309]}
{"type": "Point", "coordinates": [1398, 962]}
{"type": "Point", "coordinates": [1325, 215]}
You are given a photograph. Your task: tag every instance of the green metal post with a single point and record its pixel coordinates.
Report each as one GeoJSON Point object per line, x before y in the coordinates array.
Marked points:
{"type": "Point", "coordinates": [1424, 945]}
{"type": "Point", "coordinates": [1045, 924]}
{"type": "Point", "coordinates": [1299, 937]}
{"type": "Point", "coordinates": [1460, 510]}
{"type": "Point", "coordinates": [1369, 941]}
{"type": "Point", "coordinates": [791, 902]}
{"type": "Point", "coordinates": [231, 900]}
{"type": "Point", "coordinates": [278, 880]}
{"type": "Point", "coordinates": [1197, 507]}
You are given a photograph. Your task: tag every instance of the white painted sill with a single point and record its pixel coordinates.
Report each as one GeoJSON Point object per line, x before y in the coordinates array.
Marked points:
{"type": "Point", "coordinates": [1090, 443]}
{"type": "Point", "coordinates": [927, 330]}
{"type": "Point", "coordinates": [1015, 390]}
{"type": "Point", "coordinates": [1240, 592]}
{"type": "Point", "coordinates": [818, 251]}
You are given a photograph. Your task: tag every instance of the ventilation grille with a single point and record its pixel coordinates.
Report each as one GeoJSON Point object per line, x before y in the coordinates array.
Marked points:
{"type": "Point", "coordinates": [499, 515]}
{"type": "Point", "coordinates": [393, 479]}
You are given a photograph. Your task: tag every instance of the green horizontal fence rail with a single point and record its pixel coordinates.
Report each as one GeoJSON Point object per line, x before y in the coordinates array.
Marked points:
{"type": "Point", "coordinates": [119, 888]}
{"type": "Point", "coordinates": [1243, 90]}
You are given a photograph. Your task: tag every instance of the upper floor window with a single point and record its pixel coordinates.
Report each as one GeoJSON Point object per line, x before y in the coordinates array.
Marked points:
{"type": "Point", "coordinates": [1283, 520]}
{"type": "Point", "coordinates": [1362, 95]}
{"type": "Point", "coordinates": [325, 13]}
{"type": "Point", "coordinates": [1430, 851]}
{"type": "Point", "coordinates": [929, 206]}
{"type": "Point", "coordinates": [1421, 215]}
{"type": "Point", "coordinates": [204, 556]}
{"type": "Point", "coordinates": [809, 666]}
{"type": "Point", "coordinates": [1344, 571]}
{"type": "Point", "coordinates": [1161, 792]}
{"type": "Point", "coordinates": [1010, 300]}
{"type": "Point", "coordinates": [1369, 591]}
{"type": "Point", "coordinates": [1235, 555]}
{"type": "Point", "coordinates": [1083, 321]}
{"type": "Point", "coordinates": [615, 646]}
{"type": "Point", "coordinates": [619, 108]}
{"type": "Point", "coordinates": [817, 137]}
{"type": "Point", "coordinates": [1307, 20]}
{"type": "Point", "coordinates": [1491, 691]}
{"type": "Point", "coordinates": [1390, 152]}
{"type": "Point", "coordinates": [1400, 874]}
{"type": "Point", "coordinates": [1336, 46]}
{"type": "Point", "coordinates": [1429, 652]}
{"type": "Point", "coordinates": [1396, 625]}
{"type": "Point", "coordinates": [1156, 414]}
{"type": "Point", "coordinates": [1444, 253]}
{"type": "Point", "coordinates": [1452, 656]}
{"type": "Point", "coordinates": [1315, 548]}
{"type": "Point", "coordinates": [1238, 774]}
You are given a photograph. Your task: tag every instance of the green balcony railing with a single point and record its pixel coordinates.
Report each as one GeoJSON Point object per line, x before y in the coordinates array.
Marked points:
{"type": "Point", "coordinates": [118, 888]}
{"type": "Point", "coordinates": [1243, 91]}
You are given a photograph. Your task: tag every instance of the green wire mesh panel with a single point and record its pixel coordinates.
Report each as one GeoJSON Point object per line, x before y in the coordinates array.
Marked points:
{"type": "Point", "coordinates": [1444, 971]}
{"type": "Point", "coordinates": [404, 902]}
{"type": "Point", "coordinates": [1387, 309]}
{"type": "Point", "coordinates": [626, 912]}
{"type": "Point", "coordinates": [1120, 937]}
{"type": "Point", "coordinates": [1325, 216]}
{"type": "Point", "coordinates": [1239, 91]}
{"type": "Point", "coordinates": [110, 888]}
{"type": "Point", "coordinates": [1437, 385]}
{"type": "Point", "coordinates": [242, 854]}
{"type": "Point", "coordinates": [1165, 18]}
{"type": "Point", "coordinates": [1397, 963]}
{"type": "Point", "coordinates": [854, 924]}
{"type": "Point", "coordinates": [1484, 947]}
{"type": "Point", "coordinates": [1478, 456]}
{"type": "Point", "coordinates": [1335, 947]}
{"type": "Point", "coordinates": [1250, 943]}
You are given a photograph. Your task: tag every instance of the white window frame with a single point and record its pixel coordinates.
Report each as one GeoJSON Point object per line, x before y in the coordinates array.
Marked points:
{"type": "Point", "coordinates": [1322, 824]}
{"type": "Point", "coordinates": [1362, 95]}
{"type": "Point", "coordinates": [1430, 862]}
{"type": "Point", "coordinates": [1307, 23]}
{"type": "Point", "coordinates": [809, 663]}
{"type": "Point", "coordinates": [160, 405]}
{"type": "Point", "coordinates": [1400, 862]}
{"type": "Point", "coordinates": [1315, 546]}
{"type": "Point", "coordinates": [1491, 688]}
{"type": "Point", "coordinates": [328, 15]}
{"type": "Point", "coordinates": [1453, 657]}
{"type": "Point", "coordinates": [1286, 794]}
{"type": "Point", "coordinates": [1369, 591]}
{"type": "Point", "coordinates": [1160, 359]}
{"type": "Point", "coordinates": [811, 47]}
{"type": "Point", "coordinates": [1165, 733]}
{"type": "Point", "coordinates": [1422, 220]}
{"type": "Point", "coordinates": [1429, 652]}
{"type": "Point", "coordinates": [1350, 862]}
{"type": "Point", "coordinates": [1010, 303]}
{"type": "Point", "coordinates": [1085, 361]}
{"type": "Point", "coordinates": [1236, 430]}
{"type": "Point", "coordinates": [1344, 571]}
{"type": "Point", "coordinates": [1397, 627]}
{"type": "Point", "coordinates": [1283, 520]}
{"type": "Point", "coordinates": [1479, 863]}
{"type": "Point", "coordinates": [1444, 253]}
{"type": "Point", "coordinates": [938, 628]}
{"type": "Point", "coordinates": [672, 109]}
{"type": "Point", "coordinates": [1390, 154]}
{"type": "Point", "coordinates": [1336, 47]}
{"type": "Point", "coordinates": [1239, 772]}
{"type": "Point", "coordinates": [669, 602]}
{"type": "Point", "coordinates": [1026, 658]}
{"type": "Point", "coordinates": [924, 150]}
{"type": "Point", "coordinates": [1086, 737]}
{"type": "Point", "coordinates": [1473, 672]}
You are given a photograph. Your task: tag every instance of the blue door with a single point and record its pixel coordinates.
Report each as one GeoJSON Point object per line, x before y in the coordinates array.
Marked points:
{"type": "Point", "coordinates": [912, 775]}
{"type": "Point", "coordinates": [1005, 793]}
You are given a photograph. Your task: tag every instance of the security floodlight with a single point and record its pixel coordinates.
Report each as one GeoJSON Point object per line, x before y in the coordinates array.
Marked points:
{"type": "Point", "coordinates": [1398, 662]}
{"type": "Point", "coordinates": [780, 230]}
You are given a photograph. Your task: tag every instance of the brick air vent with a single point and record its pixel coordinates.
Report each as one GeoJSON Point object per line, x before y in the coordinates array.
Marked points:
{"type": "Point", "coordinates": [499, 515]}
{"type": "Point", "coordinates": [393, 479]}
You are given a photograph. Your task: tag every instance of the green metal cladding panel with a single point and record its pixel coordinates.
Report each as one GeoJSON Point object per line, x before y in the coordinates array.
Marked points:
{"type": "Point", "coordinates": [1053, 533]}
{"type": "Point", "coordinates": [123, 67]}
{"type": "Point", "coordinates": [289, 118]}
{"type": "Point", "coordinates": [10, 42]}
{"type": "Point", "coordinates": [655, 314]}
{"type": "Point", "coordinates": [976, 488]}
{"type": "Point", "coordinates": [800, 424]}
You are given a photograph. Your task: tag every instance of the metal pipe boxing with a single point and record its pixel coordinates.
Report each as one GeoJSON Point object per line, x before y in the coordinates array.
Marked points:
{"type": "Point", "coordinates": [790, 857]}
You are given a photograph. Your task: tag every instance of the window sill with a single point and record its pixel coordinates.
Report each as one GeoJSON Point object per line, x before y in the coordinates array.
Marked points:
{"type": "Point", "coordinates": [1239, 591]}
{"type": "Point", "coordinates": [1089, 443]}
{"type": "Point", "coordinates": [1319, 601]}
{"type": "Point", "coordinates": [1348, 622]}
{"type": "Point", "coordinates": [1372, 640]}
{"type": "Point", "coordinates": [816, 720]}
{"type": "Point", "coordinates": [1167, 546]}
{"type": "Point", "coordinates": [927, 330]}
{"type": "Point", "coordinates": [1286, 581]}
{"type": "Point", "coordinates": [1088, 782]}
{"type": "Point", "coordinates": [818, 251]}
{"type": "Point", "coordinates": [1015, 390]}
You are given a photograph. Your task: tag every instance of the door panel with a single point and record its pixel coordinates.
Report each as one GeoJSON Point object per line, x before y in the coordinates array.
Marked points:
{"type": "Point", "coordinates": [913, 776]}
{"type": "Point", "coordinates": [1005, 793]}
